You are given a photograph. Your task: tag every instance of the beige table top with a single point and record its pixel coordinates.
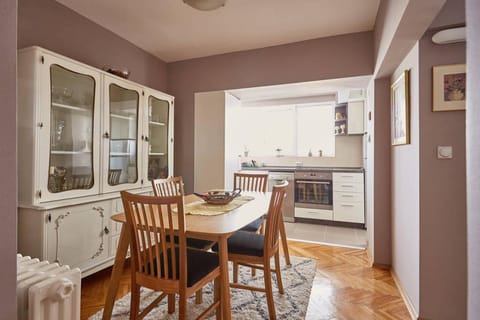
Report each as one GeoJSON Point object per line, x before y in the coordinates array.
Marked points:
{"type": "Point", "coordinates": [227, 223]}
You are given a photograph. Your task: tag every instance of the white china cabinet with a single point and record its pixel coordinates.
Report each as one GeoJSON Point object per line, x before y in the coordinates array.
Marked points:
{"type": "Point", "coordinates": [83, 136]}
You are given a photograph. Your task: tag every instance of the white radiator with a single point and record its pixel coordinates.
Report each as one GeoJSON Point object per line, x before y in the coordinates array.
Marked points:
{"type": "Point", "coordinates": [47, 291]}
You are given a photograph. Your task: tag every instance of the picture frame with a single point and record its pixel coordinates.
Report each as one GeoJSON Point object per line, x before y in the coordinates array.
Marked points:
{"type": "Point", "coordinates": [449, 85]}
{"type": "Point", "coordinates": [400, 109]}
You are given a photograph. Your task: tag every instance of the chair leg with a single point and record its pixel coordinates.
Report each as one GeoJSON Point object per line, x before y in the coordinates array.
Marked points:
{"type": "Point", "coordinates": [278, 272]}
{"type": "Point", "coordinates": [269, 291]}
{"type": "Point", "coordinates": [198, 297]}
{"type": "Point", "coordinates": [217, 297]}
{"type": "Point", "coordinates": [283, 236]}
{"type": "Point", "coordinates": [171, 303]}
{"type": "Point", "coordinates": [182, 306]}
{"type": "Point", "coordinates": [235, 272]}
{"type": "Point", "coordinates": [134, 301]}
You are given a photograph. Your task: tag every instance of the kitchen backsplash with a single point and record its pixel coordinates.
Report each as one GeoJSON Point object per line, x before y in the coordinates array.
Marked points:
{"type": "Point", "coordinates": [348, 153]}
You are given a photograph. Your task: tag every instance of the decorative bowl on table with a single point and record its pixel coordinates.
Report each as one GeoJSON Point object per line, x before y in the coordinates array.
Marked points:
{"type": "Point", "coordinates": [218, 196]}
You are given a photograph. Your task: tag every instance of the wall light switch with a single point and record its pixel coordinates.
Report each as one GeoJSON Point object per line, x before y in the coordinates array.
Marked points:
{"type": "Point", "coordinates": [444, 152]}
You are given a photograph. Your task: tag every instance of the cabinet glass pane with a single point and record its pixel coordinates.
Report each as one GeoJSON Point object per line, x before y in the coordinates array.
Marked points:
{"type": "Point", "coordinates": [158, 138]}
{"type": "Point", "coordinates": [123, 164]}
{"type": "Point", "coordinates": [71, 134]}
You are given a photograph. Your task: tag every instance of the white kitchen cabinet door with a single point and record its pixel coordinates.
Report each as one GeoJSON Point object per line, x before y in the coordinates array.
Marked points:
{"type": "Point", "coordinates": [349, 212]}
{"type": "Point", "coordinates": [78, 236]}
{"type": "Point", "coordinates": [355, 117]}
{"type": "Point", "coordinates": [60, 115]}
{"type": "Point", "coordinates": [121, 135]}
{"type": "Point", "coordinates": [157, 136]}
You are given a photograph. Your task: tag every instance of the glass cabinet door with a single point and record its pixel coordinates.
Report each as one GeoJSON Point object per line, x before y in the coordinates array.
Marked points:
{"type": "Point", "coordinates": [158, 138]}
{"type": "Point", "coordinates": [123, 153]}
{"type": "Point", "coordinates": [71, 163]}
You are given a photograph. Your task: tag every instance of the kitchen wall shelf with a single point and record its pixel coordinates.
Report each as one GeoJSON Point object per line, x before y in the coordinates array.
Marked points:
{"type": "Point", "coordinates": [349, 118]}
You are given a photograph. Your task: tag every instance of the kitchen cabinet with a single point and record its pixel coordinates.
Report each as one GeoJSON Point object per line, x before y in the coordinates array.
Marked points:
{"type": "Point", "coordinates": [349, 118]}
{"type": "Point", "coordinates": [76, 235]}
{"type": "Point", "coordinates": [83, 136]}
{"type": "Point", "coordinates": [348, 197]}
{"type": "Point", "coordinates": [86, 132]}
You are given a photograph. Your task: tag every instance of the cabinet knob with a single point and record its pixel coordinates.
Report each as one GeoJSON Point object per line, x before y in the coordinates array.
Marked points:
{"type": "Point", "coordinates": [146, 138]}
{"type": "Point", "coordinates": [106, 135]}
{"type": "Point", "coordinates": [106, 231]}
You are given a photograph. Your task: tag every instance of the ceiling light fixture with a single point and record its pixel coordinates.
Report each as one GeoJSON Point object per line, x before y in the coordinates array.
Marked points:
{"type": "Point", "coordinates": [451, 35]}
{"type": "Point", "coordinates": [205, 5]}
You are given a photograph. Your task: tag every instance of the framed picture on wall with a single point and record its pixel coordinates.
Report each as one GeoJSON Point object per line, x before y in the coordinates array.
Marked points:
{"type": "Point", "coordinates": [449, 84]}
{"type": "Point", "coordinates": [400, 109]}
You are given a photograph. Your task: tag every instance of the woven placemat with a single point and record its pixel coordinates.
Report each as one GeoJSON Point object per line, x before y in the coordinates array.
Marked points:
{"type": "Point", "coordinates": [206, 209]}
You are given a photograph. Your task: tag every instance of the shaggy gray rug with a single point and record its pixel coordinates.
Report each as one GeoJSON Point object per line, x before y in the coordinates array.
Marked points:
{"type": "Point", "coordinates": [297, 282]}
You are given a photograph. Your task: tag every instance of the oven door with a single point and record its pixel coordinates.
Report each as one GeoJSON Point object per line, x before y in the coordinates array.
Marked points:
{"type": "Point", "coordinates": [316, 194]}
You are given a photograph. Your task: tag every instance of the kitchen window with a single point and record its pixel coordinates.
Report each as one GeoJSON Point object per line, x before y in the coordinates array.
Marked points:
{"type": "Point", "coordinates": [293, 130]}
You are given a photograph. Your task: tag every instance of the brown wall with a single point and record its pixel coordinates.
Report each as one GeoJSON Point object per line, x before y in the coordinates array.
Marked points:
{"type": "Point", "coordinates": [473, 156]}
{"type": "Point", "coordinates": [8, 158]}
{"type": "Point", "coordinates": [48, 24]}
{"type": "Point", "coordinates": [382, 221]}
{"type": "Point", "coordinates": [326, 58]}
{"type": "Point", "coordinates": [443, 259]}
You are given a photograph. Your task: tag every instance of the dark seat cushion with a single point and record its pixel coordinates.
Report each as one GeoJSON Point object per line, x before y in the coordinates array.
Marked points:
{"type": "Point", "coordinates": [253, 226]}
{"type": "Point", "coordinates": [247, 243]}
{"type": "Point", "coordinates": [193, 243]}
{"type": "Point", "coordinates": [199, 264]}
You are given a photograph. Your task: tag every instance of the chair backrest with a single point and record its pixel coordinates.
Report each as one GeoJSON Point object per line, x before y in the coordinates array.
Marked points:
{"type": "Point", "coordinates": [273, 218]}
{"type": "Point", "coordinates": [150, 220]}
{"type": "Point", "coordinates": [168, 187]}
{"type": "Point", "coordinates": [114, 176]}
{"type": "Point", "coordinates": [250, 181]}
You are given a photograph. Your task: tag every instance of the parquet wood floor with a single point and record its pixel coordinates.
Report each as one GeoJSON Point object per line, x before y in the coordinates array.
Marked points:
{"type": "Point", "coordinates": [344, 288]}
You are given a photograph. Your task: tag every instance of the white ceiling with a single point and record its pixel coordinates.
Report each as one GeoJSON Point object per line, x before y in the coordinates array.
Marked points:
{"type": "Point", "coordinates": [173, 31]}
{"type": "Point", "coordinates": [314, 89]}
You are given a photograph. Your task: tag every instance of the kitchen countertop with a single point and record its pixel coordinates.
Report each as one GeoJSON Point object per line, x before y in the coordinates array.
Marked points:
{"type": "Point", "coordinates": [303, 168]}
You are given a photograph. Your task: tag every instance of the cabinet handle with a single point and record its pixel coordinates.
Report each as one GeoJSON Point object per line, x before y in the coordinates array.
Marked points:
{"type": "Point", "coordinates": [347, 196]}
{"type": "Point", "coordinates": [347, 185]}
{"type": "Point", "coordinates": [347, 205]}
{"type": "Point", "coordinates": [106, 135]}
{"type": "Point", "coordinates": [106, 231]}
{"type": "Point", "coordinates": [146, 138]}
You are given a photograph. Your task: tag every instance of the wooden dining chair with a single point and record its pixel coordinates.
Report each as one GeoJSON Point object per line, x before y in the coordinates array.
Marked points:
{"type": "Point", "coordinates": [258, 182]}
{"type": "Point", "coordinates": [174, 187]}
{"type": "Point", "coordinates": [255, 182]}
{"type": "Point", "coordinates": [256, 250]}
{"type": "Point", "coordinates": [162, 265]}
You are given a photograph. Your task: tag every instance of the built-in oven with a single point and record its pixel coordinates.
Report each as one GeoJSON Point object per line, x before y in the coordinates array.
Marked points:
{"type": "Point", "coordinates": [314, 195]}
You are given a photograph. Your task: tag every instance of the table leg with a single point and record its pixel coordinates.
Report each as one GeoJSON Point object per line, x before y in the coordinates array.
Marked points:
{"type": "Point", "coordinates": [224, 281]}
{"type": "Point", "coordinates": [118, 264]}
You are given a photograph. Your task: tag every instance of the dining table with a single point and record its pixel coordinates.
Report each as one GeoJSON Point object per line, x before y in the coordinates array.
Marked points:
{"type": "Point", "coordinates": [216, 227]}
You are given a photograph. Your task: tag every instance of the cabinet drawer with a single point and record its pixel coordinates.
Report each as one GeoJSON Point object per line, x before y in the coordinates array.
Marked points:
{"type": "Point", "coordinates": [348, 186]}
{"type": "Point", "coordinates": [313, 213]}
{"type": "Point", "coordinates": [339, 177]}
{"type": "Point", "coordinates": [339, 197]}
{"type": "Point", "coordinates": [349, 212]}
